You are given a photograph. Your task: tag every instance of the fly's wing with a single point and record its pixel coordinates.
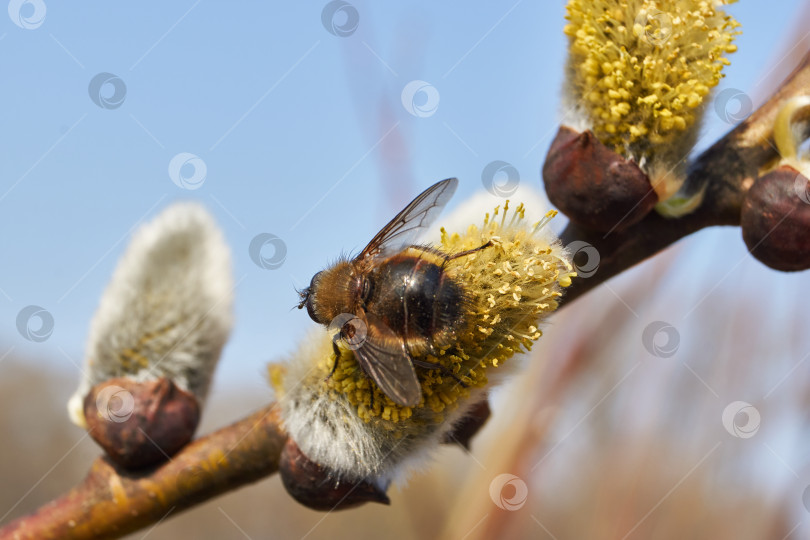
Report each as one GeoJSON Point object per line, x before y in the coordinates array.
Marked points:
{"type": "Point", "coordinates": [383, 357]}
{"type": "Point", "coordinates": [415, 218]}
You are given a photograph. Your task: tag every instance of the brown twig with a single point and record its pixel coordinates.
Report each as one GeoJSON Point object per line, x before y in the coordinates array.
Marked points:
{"type": "Point", "coordinates": [112, 502]}
{"type": "Point", "coordinates": [727, 170]}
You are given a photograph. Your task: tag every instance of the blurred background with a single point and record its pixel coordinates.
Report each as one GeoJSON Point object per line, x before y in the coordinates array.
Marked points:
{"type": "Point", "coordinates": [669, 403]}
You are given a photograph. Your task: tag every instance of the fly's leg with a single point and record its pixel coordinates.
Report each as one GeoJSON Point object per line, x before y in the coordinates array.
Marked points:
{"type": "Point", "coordinates": [469, 251]}
{"type": "Point", "coordinates": [345, 333]}
{"type": "Point", "coordinates": [445, 256]}
{"type": "Point", "coordinates": [336, 349]}
{"type": "Point", "coordinates": [444, 370]}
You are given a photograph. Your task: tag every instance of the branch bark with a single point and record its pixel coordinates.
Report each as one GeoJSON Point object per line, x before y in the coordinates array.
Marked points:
{"type": "Point", "coordinates": [112, 502]}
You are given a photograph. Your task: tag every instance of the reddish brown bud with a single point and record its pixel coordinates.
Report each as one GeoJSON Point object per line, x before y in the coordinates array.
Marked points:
{"type": "Point", "coordinates": [468, 426]}
{"type": "Point", "coordinates": [316, 487]}
{"type": "Point", "coordinates": [775, 220]}
{"type": "Point", "coordinates": [593, 185]}
{"type": "Point", "coordinates": [140, 423]}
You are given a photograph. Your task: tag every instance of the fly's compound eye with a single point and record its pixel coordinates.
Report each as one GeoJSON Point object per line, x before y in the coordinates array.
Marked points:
{"type": "Point", "coordinates": [309, 294]}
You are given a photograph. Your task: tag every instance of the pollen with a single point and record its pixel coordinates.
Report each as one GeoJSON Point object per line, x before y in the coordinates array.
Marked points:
{"type": "Point", "coordinates": [641, 69]}
{"type": "Point", "coordinates": [510, 286]}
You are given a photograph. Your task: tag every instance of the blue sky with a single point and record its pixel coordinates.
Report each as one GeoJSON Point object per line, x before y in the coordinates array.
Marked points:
{"type": "Point", "coordinates": [303, 133]}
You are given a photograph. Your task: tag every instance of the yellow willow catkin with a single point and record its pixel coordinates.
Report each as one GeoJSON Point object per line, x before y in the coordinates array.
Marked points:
{"type": "Point", "coordinates": [346, 423]}
{"type": "Point", "coordinates": [641, 70]}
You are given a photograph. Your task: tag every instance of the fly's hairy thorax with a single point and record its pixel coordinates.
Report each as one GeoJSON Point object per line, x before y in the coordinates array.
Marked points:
{"type": "Point", "coordinates": [336, 292]}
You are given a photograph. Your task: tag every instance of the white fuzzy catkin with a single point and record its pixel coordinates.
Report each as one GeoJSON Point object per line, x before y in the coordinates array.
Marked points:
{"type": "Point", "coordinates": [330, 432]}
{"type": "Point", "coordinates": [167, 311]}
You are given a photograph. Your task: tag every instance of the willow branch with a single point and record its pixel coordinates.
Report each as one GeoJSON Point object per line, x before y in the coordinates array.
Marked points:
{"type": "Point", "coordinates": [112, 502]}
{"type": "Point", "coordinates": [727, 170]}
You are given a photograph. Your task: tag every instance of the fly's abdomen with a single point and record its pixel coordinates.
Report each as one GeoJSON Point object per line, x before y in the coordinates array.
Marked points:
{"type": "Point", "coordinates": [419, 301]}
